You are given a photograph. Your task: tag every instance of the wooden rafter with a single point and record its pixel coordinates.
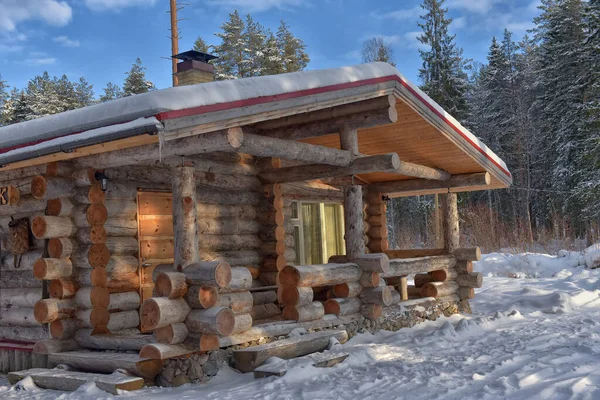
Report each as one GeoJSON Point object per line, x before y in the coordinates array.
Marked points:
{"type": "Point", "coordinates": [416, 187]}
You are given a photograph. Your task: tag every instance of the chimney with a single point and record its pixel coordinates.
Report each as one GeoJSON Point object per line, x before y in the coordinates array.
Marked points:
{"type": "Point", "coordinates": [194, 68]}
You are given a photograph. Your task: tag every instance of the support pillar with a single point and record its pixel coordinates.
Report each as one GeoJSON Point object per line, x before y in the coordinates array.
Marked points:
{"type": "Point", "coordinates": [353, 203]}
{"type": "Point", "coordinates": [449, 203]}
{"type": "Point", "coordinates": [185, 224]}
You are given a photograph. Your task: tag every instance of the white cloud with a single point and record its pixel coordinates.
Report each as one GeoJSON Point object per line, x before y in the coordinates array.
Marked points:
{"type": "Point", "coordinates": [10, 48]}
{"type": "Point", "coordinates": [116, 5]}
{"type": "Point", "coordinates": [258, 5]}
{"type": "Point", "coordinates": [459, 23]}
{"type": "Point", "coordinates": [411, 40]}
{"type": "Point", "coordinates": [66, 42]}
{"type": "Point", "coordinates": [39, 58]}
{"type": "Point", "coordinates": [402, 14]}
{"type": "Point", "coordinates": [53, 12]}
{"type": "Point", "coordinates": [476, 6]}
{"type": "Point", "coordinates": [389, 39]}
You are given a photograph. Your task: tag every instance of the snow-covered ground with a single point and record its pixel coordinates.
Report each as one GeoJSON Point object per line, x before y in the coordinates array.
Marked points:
{"type": "Point", "coordinates": [534, 334]}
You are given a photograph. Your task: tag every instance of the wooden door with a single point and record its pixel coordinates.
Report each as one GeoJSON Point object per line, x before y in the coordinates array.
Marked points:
{"type": "Point", "coordinates": [155, 235]}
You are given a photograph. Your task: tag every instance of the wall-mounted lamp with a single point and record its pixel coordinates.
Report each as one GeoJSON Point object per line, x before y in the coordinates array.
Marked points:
{"type": "Point", "coordinates": [103, 179]}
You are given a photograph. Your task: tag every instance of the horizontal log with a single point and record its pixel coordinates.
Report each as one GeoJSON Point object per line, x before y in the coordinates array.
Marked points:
{"type": "Point", "coordinates": [60, 207]}
{"type": "Point", "coordinates": [243, 323]}
{"type": "Point", "coordinates": [50, 346]}
{"type": "Point", "coordinates": [206, 143]}
{"type": "Point", "coordinates": [83, 298]}
{"type": "Point", "coordinates": [45, 187]}
{"type": "Point", "coordinates": [342, 306]}
{"type": "Point", "coordinates": [172, 334]}
{"type": "Point", "coordinates": [130, 340]}
{"type": "Point", "coordinates": [93, 235]}
{"type": "Point", "coordinates": [371, 311]}
{"type": "Point", "coordinates": [241, 280]}
{"type": "Point", "coordinates": [56, 168]}
{"type": "Point", "coordinates": [359, 115]}
{"type": "Point", "coordinates": [52, 268]}
{"type": "Point", "coordinates": [62, 288]}
{"type": "Point", "coordinates": [463, 267]}
{"type": "Point", "coordinates": [416, 187]}
{"type": "Point", "coordinates": [19, 297]}
{"type": "Point", "coordinates": [264, 311]}
{"type": "Point", "coordinates": [159, 312]}
{"type": "Point", "coordinates": [49, 310]}
{"type": "Point", "coordinates": [307, 312]}
{"type": "Point", "coordinates": [376, 262]}
{"type": "Point", "coordinates": [234, 258]}
{"type": "Point", "coordinates": [164, 351]}
{"type": "Point", "coordinates": [47, 227]}
{"type": "Point", "coordinates": [239, 302]}
{"type": "Point", "coordinates": [114, 302]}
{"type": "Point", "coordinates": [351, 289]}
{"type": "Point", "coordinates": [25, 261]}
{"type": "Point", "coordinates": [294, 296]}
{"type": "Point", "coordinates": [204, 273]}
{"type": "Point", "coordinates": [414, 253]}
{"type": "Point", "coordinates": [216, 321]}
{"type": "Point", "coordinates": [378, 295]}
{"type": "Point", "coordinates": [84, 176]}
{"type": "Point", "coordinates": [442, 275]}
{"type": "Point", "coordinates": [319, 275]}
{"type": "Point", "coordinates": [266, 297]}
{"type": "Point", "coordinates": [216, 164]}
{"type": "Point", "coordinates": [465, 293]}
{"type": "Point", "coordinates": [410, 266]}
{"type": "Point", "coordinates": [468, 254]}
{"type": "Point", "coordinates": [121, 227]}
{"type": "Point", "coordinates": [25, 204]}
{"type": "Point", "coordinates": [23, 333]}
{"type": "Point", "coordinates": [64, 328]}
{"type": "Point", "coordinates": [89, 194]}
{"type": "Point", "coordinates": [223, 243]}
{"type": "Point", "coordinates": [439, 289]}
{"type": "Point", "coordinates": [474, 280]}
{"type": "Point", "coordinates": [369, 279]}
{"type": "Point", "coordinates": [362, 165]}
{"type": "Point", "coordinates": [18, 279]}
{"type": "Point", "coordinates": [61, 247]}
{"type": "Point", "coordinates": [18, 317]}
{"type": "Point", "coordinates": [262, 146]}
{"type": "Point", "coordinates": [105, 321]}
{"type": "Point", "coordinates": [171, 285]}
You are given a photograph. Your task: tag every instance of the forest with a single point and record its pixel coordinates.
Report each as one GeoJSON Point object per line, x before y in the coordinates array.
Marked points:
{"type": "Point", "coordinates": [535, 102]}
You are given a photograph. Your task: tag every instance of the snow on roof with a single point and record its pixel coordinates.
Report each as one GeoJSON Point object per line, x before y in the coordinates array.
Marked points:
{"type": "Point", "coordinates": [159, 103]}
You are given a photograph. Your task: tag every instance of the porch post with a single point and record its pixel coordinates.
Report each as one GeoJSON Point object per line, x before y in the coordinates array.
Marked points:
{"type": "Point", "coordinates": [449, 203]}
{"type": "Point", "coordinates": [185, 224]}
{"type": "Point", "coordinates": [353, 202]}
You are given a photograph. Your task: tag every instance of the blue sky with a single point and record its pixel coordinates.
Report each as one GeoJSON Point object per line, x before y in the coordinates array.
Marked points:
{"type": "Point", "coordinates": [99, 39]}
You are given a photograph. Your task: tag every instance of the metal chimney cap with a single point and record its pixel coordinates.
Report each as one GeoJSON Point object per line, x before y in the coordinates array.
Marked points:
{"type": "Point", "coordinates": [195, 56]}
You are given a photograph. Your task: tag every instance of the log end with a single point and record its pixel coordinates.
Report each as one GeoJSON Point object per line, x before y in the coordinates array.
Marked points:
{"type": "Point", "coordinates": [100, 296]}
{"type": "Point", "coordinates": [209, 342]}
{"type": "Point", "coordinates": [429, 290]}
{"type": "Point", "coordinates": [225, 321]}
{"type": "Point", "coordinates": [341, 290]}
{"type": "Point", "coordinates": [45, 311]}
{"type": "Point", "coordinates": [99, 255]}
{"type": "Point", "coordinates": [150, 351]}
{"type": "Point", "coordinates": [290, 313]}
{"type": "Point", "coordinates": [96, 214]}
{"type": "Point", "coordinates": [99, 277]}
{"type": "Point", "coordinates": [100, 316]}
{"type": "Point", "coordinates": [332, 307]}
{"type": "Point", "coordinates": [98, 234]}
{"type": "Point", "coordinates": [288, 276]}
{"type": "Point", "coordinates": [288, 296]}
{"type": "Point", "coordinates": [55, 248]}
{"type": "Point", "coordinates": [39, 227]}
{"type": "Point", "coordinates": [439, 275]}
{"type": "Point", "coordinates": [57, 329]}
{"type": "Point", "coordinates": [235, 137]}
{"type": "Point", "coordinates": [207, 296]}
{"type": "Point", "coordinates": [40, 269]}
{"type": "Point", "coordinates": [150, 315]}
{"type": "Point", "coordinates": [39, 185]}
{"type": "Point", "coordinates": [54, 207]}
{"type": "Point", "coordinates": [96, 195]}
{"type": "Point", "coordinates": [223, 274]}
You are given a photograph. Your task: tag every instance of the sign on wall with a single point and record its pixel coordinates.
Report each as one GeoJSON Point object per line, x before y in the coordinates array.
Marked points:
{"type": "Point", "coordinates": [9, 196]}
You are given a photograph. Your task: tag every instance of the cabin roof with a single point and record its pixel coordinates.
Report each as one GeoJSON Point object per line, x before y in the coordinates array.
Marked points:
{"type": "Point", "coordinates": [424, 133]}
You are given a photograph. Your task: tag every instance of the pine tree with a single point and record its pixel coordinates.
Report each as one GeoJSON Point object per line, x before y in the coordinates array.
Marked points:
{"type": "Point", "coordinates": [65, 92]}
{"type": "Point", "coordinates": [84, 93]}
{"type": "Point", "coordinates": [22, 110]}
{"type": "Point", "coordinates": [232, 50]}
{"type": "Point", "coordinates": [272, 62]}
{"type": "Point", "coordinates": [200, 45]}
{"type": "Point", "coordinates": [41, 98]}
{"type": "Point", "coordinates": [292, 50]}
{"type": "Point", "coordinates": [377, 49]}
{"type": "Point", "coordinates": [443, 72]}
{"type": "Point", "coordinates": [111, 92]}
{"type": "Point", "coordinates": [136, 81]}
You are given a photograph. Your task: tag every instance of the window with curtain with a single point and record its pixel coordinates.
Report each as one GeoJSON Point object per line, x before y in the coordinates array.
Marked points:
{"type": "Point", "coordinates": [318, 231]}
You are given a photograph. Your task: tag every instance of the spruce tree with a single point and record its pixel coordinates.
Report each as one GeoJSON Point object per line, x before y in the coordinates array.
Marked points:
{"type": "Point", "coordinates": [136, 81]}
{"type": "Point", "coordinates": [272, 63]}
{"type": "Point", "coordinates": [443, 72]}
{"type": "Point", "coordinates": [111, 92]}
{"type": "Point", "coordinates": [254, 48]}
{"type": "Point", "coordinates": [200, 45]}
{"type": "Point", "coordinates": [377, 49]}
{"type": "Point", "coordinates": [292, 50]}
{"type": "Point", "coordinates": [84, 93]}
{"type": "Point", "coordinates": [232, 50]}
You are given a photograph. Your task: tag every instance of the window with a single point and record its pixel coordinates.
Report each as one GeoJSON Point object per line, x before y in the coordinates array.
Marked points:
{"type": "Point", "coordinates": [318, 231]}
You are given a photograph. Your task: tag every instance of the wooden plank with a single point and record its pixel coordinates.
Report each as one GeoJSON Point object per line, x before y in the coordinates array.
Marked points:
{"type": "Point", "coordinates": [246, 360]}
{"type": "Point", "coordinates": [322, 360]}
{"type": "Point", "coordinates": [58, 379]}
{"type": "Point", "coordinates": [107, 363]}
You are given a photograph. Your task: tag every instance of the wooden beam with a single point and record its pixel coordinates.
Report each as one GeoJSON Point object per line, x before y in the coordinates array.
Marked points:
{"type": "Point", "coordinates": [421, 171]}
{"type": "Point", "coordinates": [225, 140]}
{"type": "Point", "coordinates": [417, 187]}
{"type": "Point", "coordinates": [411, 266]}
{"type": "Point", "coordinates": [278, 127]}
{"type": "Point", "coordinates": [450, 221]}
{"type": "Point", "coordinates": [379, 163]}
{"type": "Point", "coordinates": [185, 226]}
{"type": "Point", "coordinates": [262, 146]}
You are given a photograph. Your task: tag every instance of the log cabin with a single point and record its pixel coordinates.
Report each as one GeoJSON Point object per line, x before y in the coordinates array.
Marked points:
{"type": "Point", "coordinates": [213, 214]}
